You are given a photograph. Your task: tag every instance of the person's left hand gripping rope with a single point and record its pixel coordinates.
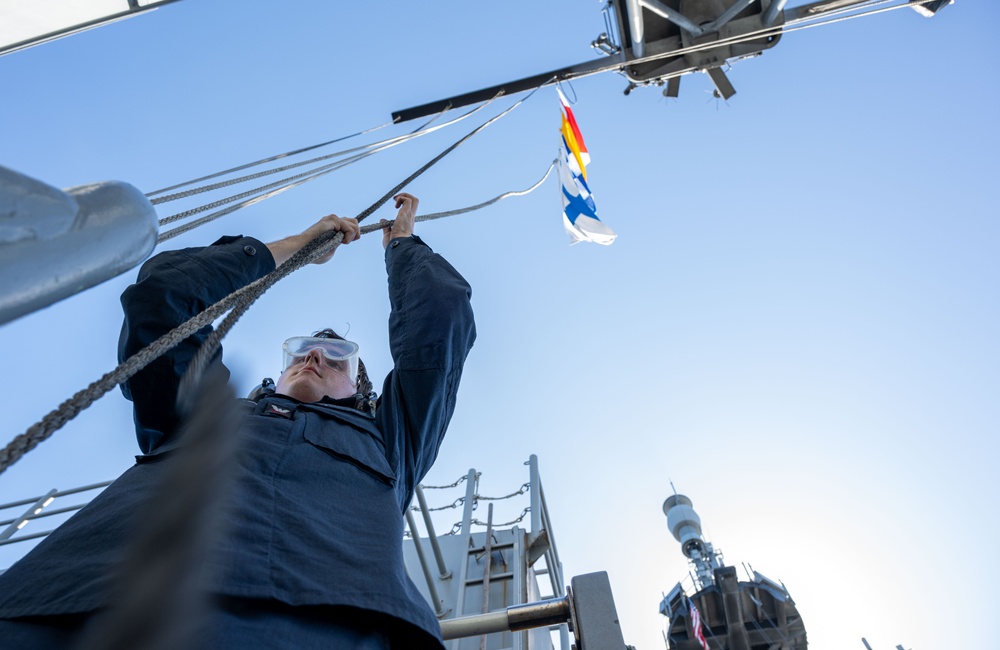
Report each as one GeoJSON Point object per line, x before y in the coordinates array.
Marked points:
{"type": "Point", "coordinates": [403, 225]}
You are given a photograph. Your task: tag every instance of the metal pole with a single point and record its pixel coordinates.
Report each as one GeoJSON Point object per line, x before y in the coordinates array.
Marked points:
{"type": "Point", "coordinates": [536, 495]}
{"type": "Point", "coordinates": [727, 15]}
{"type": "Point", "coordinates": [55, 494]}
{"type": "Point", "coordinates": [487, 568]}
{"type": "Point", "coordinates": [595, 66]}
{"type": "Point", "coordinates": [673, 16]}
{"type": "Point", "coordinates": [47, 513]}
{"type": "Point", "coordinates": [438, 608]}
{"type": "Point", "coordinates": [772, 11]}
{"type": "Point", "coordinates": [470, 626]}
{"type": "Point", "coordinates": [92, 486]}
{"type": "Point", "coordinates": [555, 572]}
{"type": "Point", "coordinates": [552, 555]}
{"type": "Point", "coordinates": [24, 538]}
{"type": "Point", "coordinates": [470, 501]}
{"type": "Point", "coordinates": [518, 617]}
{"type": "Point", "coordinates": [564, 643]}
{"type": "Point", "coordinates": [22, 502]}
{"type": "Point", "coordinates": [633, 10]}
{"type": "Point", "coordinates": [20, 522]}
{"type": "Point", "coordinates": [432, 536]}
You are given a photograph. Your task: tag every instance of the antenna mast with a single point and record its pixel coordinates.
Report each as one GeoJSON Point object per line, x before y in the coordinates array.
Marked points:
{"type": "Point", "coordinates": [685, 525]}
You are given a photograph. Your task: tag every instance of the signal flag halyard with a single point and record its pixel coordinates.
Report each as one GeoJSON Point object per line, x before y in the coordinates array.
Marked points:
{"type": "Point", "coordinates": [579, 212]}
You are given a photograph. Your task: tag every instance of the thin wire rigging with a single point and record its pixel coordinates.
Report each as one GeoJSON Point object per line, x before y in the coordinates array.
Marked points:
{"type": "Point", "coordinates": [380, 145]}
{"type": "Point", "coordinates": [428, 217]}
{"type": "Point", "coordinates": [268, 159]}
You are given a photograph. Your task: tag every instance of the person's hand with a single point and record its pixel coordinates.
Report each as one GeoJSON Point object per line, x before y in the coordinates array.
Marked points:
{"type": "Point", "coordinates": [346, 225]}
{"type": "Point", "coordinates": [283, 249]}
{"type": "Point", "coordinates": [403, 225]}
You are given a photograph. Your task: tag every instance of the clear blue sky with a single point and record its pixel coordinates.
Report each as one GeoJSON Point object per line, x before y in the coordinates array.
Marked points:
{"type": "Point", "coordinates": [797, 325]}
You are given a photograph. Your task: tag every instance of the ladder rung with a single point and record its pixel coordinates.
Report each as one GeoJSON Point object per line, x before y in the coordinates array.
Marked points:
{"type": "Point", "coordinates": [493, 547]}
{"type": "Point", "coordinates": [499, 576]}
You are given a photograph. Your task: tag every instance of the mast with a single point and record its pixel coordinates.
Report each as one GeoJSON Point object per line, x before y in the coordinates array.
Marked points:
{"type": "Point", "coordinates": [728, 613]}
{"type": "Point", "coordinates": [685, 525]}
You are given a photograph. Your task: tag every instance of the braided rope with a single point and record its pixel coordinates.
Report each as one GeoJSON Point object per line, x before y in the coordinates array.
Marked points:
{"type": "Point", "coordinates": [305, 178]}
{"type": "Point", "coordinates": [170, 234]}
{"type": "Point", "coordinates": [323, 244]}
{"type": "Point", "coordinates": [191, 225]}
{"type": "Point", "coordinates": [242, 195]}
{"type": "Point", "coordinates": [451, 213]}
{"type": "Point", "coordinates": [462, 478]}
{"type": "Point", "coordinates": [268, 159]}
{"type": "Point", "coordinates": [238, 301]}
{"type": "Point", "coordinates": [383, 144]}
{"type": "Point", "coordinates": [319, 171]}
{"type": "Point", "coordinates": [282, 186]}
{"type": "Point", "coordinates": [478, 206]}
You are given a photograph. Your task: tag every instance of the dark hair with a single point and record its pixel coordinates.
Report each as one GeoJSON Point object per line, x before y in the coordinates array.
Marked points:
{"type": "Point", "coordinates": [364, 399]}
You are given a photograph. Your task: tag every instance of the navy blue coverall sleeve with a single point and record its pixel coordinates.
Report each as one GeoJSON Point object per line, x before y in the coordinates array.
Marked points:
{"type": "Point", "coordinates": [431, 330]}
{"type": "Point", "coordinates": [172, 287]}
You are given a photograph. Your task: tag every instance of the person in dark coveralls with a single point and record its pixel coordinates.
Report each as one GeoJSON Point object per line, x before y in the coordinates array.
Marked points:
{"type": "Point", "coordinates": [311, 555]}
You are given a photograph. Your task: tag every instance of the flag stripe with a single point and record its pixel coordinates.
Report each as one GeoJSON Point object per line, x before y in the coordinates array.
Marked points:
{"type": "Point", "coordinates": [572, 122]}
{"type": "Point", "coordinates": [579, 211]}
{"type": "Point", "coordinates": [573, 147]}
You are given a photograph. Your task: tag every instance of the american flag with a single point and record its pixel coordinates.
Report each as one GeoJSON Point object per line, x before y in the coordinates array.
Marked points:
{"type": "Point", "coordinates": [696, 625]}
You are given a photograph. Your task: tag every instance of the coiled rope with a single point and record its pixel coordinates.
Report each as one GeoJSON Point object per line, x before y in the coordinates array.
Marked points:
{"type": "Point", "coordinates": [236, 304]}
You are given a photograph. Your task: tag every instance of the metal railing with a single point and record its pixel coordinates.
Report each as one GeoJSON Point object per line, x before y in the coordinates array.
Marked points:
{"type": "Point", "coordinates": [557, 613]}
{"type": "Point", "coordinates": [541, 524]}
{"type": "Point", "coordinates": [37, 510]}
{"type": "Point", "coordinates": [537, 543]}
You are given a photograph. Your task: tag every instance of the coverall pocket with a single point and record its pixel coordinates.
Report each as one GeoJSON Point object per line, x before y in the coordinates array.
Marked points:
{"type": "Point", "coordinates": [355, 447]}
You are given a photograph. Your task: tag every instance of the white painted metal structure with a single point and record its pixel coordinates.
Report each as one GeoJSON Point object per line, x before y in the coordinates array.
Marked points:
{"type": "Point", "coordinates": [24, 23]}
{"type": "Point", "coordinates": [506, 564]}
{"type": "Point", "coordinates": [55, 243]}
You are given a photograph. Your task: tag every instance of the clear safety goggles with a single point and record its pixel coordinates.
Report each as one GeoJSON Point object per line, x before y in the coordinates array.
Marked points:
{"type": "Point", "coordinates": [338, 354]}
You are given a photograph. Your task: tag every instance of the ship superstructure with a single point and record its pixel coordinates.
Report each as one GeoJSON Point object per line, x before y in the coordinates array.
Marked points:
{"type": "Point", "coordinates": [724, 612]}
